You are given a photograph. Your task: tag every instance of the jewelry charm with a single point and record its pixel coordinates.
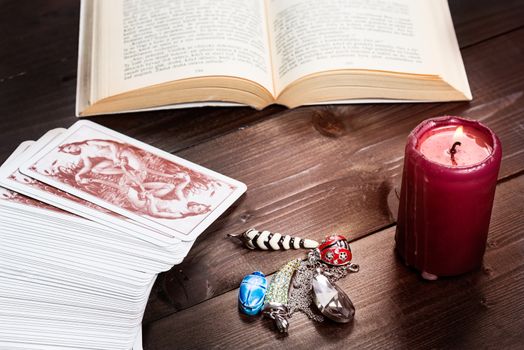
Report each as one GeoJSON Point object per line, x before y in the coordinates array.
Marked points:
{"type": "Point", "coordinates": [335, 250]}
{"type": "Point", "coordinates": [299, 284]}
{"type": "Point", "coordinates": [275, 304]}
{"type": "Point", "coordinates": [331, 300]}
{"type": "Point", "coordinates": [252, 292]}
{"type": "Point", "coordinates": [275, 241]}
{"type": "Point", "coordinates": [315, 282]}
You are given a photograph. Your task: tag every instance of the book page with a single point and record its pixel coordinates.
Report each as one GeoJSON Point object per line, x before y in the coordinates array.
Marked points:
{"type": "Point", "coordinates": [309, 36]}
{"type": "Point", "coordinates": [148, 42]}
{"type": "Point", "coordinates": [446, 48]}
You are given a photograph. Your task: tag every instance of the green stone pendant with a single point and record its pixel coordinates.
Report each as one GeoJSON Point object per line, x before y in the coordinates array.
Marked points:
{"type": "Point", "coordinates": [275, 304]}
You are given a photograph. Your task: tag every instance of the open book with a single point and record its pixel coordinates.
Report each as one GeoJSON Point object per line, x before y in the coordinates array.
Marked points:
{"type": "Point", "coordinates": [144, 54]}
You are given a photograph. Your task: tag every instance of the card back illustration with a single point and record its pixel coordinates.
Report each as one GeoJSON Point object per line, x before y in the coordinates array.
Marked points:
{"type": "Point", "coordinates": [134, 179]}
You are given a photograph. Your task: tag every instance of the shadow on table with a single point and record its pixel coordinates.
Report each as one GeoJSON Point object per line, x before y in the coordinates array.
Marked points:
{"type": "Point", "coordinates": [436, 314]}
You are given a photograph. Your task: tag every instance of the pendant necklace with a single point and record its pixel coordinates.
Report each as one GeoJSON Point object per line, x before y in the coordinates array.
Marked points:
{"type": "Point", "coordinates": [306, 285]}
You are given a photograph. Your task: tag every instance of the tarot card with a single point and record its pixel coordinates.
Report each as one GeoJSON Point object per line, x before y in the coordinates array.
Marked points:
{"type": "Point", "coordinates": [21, 148]}
{"type": "Point", "coordinates": [66, 334]}
{"type": "Point", "coordinates": [9, 196]}
{"type": "Point", "coordinates": [15, 197]}
{"type": "Point", "coordinates": [45, 240]}
{"type": "Point", "coordinates": [24, 287]}
{"type": "Point", "coordinates": [12, 179]}
{"type": "Point", "coordinates": [80, 275]}
{"type": "Point", "coordinates": [167, 193]}
{"type": "Point", "coordinates": [138, 340]}
{"type": "Point", "coordinates": [32, 209]}
{"type": "Point", "coordinates": [48, 241]}
{"type": "Point", "coordinates": [83, 260]}
{"type": "Point", "coordinates": [81, 230]}
{"type": "Point", "coordinates": [44, 311]}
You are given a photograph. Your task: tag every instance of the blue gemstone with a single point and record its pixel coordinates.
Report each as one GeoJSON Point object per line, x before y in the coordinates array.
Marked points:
{"type": "Point", "coordinates": [252, 292]}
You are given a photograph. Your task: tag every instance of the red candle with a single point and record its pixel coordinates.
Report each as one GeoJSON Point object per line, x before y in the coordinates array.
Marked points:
{"type": "Point", "coordinates": [448, 185]}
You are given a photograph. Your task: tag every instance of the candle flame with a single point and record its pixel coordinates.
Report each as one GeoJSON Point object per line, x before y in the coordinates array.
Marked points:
{"type": "Point", "coordinates": [459, 132]}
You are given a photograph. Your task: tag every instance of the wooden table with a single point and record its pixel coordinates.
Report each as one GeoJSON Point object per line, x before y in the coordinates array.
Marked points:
{"type": "Point", "coordinates": [309, 171]}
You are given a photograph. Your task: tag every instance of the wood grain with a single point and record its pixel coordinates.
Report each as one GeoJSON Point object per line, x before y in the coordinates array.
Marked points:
{"type": "Point", "coordinates": [315, 170]}
{"type": "Point", "coordinates": [38, 76]}
{"type": "Point", "coordinates": [395, 307]}
{"type": "Point", "coordinates": [310, 171]}
{"type": "Point", "coordinates": [478, 20]}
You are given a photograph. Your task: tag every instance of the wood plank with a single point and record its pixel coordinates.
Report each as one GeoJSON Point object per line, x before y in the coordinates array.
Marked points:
{"type": "Point", "coordinates": [395, 307]}
{"type": "Point", "coordinates": [37, 86]}
{"type": "Point", "coordinates": [38, 76]}
{"type": "Point", "coordinates": [315, 170]}
{"type": "Point", "coordinates": [478, 20]}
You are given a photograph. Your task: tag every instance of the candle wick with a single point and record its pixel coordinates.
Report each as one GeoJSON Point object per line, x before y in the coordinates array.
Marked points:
{"type": "Point", "coordinates": [453, 150]}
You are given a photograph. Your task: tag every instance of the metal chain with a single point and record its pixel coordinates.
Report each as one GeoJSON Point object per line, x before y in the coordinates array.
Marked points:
{"type": "Point", "coordinates": [300, 295]}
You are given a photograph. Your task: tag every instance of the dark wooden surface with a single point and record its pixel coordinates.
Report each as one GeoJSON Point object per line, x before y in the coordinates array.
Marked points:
{"type": "Point", "coordinates": [309, 171]}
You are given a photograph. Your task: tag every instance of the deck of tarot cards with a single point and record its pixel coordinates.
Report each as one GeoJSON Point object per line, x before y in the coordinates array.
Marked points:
{"type": "Point", "coordinates": [88, 218]}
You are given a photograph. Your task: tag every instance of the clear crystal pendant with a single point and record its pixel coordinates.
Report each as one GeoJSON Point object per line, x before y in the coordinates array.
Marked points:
{"type": "Point", "coordinates": [331, 300]}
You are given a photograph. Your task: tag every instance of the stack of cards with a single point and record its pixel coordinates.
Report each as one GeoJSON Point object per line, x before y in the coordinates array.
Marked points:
{"type": "Point", "coordinates": [88, 218]}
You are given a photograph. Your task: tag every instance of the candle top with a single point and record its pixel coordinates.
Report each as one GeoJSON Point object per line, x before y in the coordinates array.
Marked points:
{"type": "Point", "coordinates": [454, 145]}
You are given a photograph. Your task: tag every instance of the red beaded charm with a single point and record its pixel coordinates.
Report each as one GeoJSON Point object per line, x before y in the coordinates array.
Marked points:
{"type": "Point", "coordinates": [334, 250]}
